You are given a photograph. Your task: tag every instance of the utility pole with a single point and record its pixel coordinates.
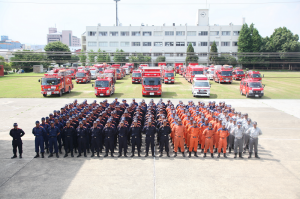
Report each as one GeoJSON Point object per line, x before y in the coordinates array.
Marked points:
{"type": "Point", "coordinates": [117, 11]}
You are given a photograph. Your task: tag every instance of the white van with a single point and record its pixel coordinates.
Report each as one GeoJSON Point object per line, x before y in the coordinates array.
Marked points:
{"type": "Point", "coordinates": [201, 86]}
{"type": "Point", "coordinates": [210, 73]}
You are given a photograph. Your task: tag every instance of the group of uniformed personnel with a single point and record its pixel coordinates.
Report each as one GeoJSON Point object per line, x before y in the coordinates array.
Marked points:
{"type": "Point", "coordinates": [92, 127]}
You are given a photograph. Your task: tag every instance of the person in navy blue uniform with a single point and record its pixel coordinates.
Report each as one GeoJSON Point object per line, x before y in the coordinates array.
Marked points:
{"type": "Point", "coordinates": [59, 137]}
{"type": "Point", "coordinates": [45, 126]}
{"type": "Point", "coordinates": [88, 136]}
{"type": "Point", "coordinates": [123, 132]}
{"type": "Point", "coordinates": [109, 132]}
{"type": "Point", "coordinates": [163, 132]}
{"type": "Point", "coordinates": [150, 131]}
{"type": "Point", "coordinates": [96, 134]}
{"type": "Point", "coordinates": [39, 133]}
{"type": "Point", "coordinates": [82, 137]}
{"type": "Point", "coordinates": [16, 133]}
{"type": "Point", "coordinates": [53, 132]}
{"type": "Point", "coordinates": [69, 133]}
{"type": "Point", "coordinates": [135, 133]}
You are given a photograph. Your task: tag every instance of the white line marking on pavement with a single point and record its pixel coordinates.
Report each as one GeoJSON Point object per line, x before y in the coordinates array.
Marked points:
{"type": "Point", "coordinates": [276, 139]}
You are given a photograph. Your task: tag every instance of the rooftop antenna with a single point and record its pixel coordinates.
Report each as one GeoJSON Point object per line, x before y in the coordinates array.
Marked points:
{"type": "Point", "coordinates": [117, 11]}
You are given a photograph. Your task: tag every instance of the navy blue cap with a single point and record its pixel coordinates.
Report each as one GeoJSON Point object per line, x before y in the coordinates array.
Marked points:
{"type": "Point", "coordinates": [47, 118]}
{"type": "Point", "coordinates": [15, 124]}
{"type": "Point", "coordinates": [43, 118]}
{"type": "Point", "coordinates": [37, 122]}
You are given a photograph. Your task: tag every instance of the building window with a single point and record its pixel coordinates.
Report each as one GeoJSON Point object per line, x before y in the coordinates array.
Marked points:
{"type": "Point", "coordinates": [225, 43]}
{"type": "Point", "coordinates": [180, 33]}
{"type": "Point", "coordinates": [158, 33]}
{"type": "Point", "coordinates": [92, 33]}
{"type": "Point", "coordinates": [114, 34]}
{"type": "Point", "coordinates": [146, 43]}
{"type": "Point", "coordinates": [234, 43]}
{"type": "Point", "coordinates": [236, 33]}
{"type": "Point", "coordinates": [158, 44]}
{"type": "Point", "coordinates": [136, 33]}
{"type": "Point", "coordinates": [193, 43]}
{"type": "Point", "coordinates": [169, 33]}
{"type": "Point", "coordinates": [169, 43]}
{"type": "Point", "coordinates": [157, 54]}
{"type": "Point", "coordinates": [211, 43]}
{"type": "Point", "coordinates": [191, 33]}
{"type": "Point", "coordinates": [135, 43]}
{"type": "Point", "coordinates": [169, 54]}
{"type": "Point", "coordinates": [202, 33]}
{"type": "Point", "coordinates": [125, 33]}
{"type": "Point", "coordinates": [103, 44]}
{"type": "Point", "coordinates": [234, 54]}
{"type": "Point", "coordinates": [147, 33]}
{"type": "Point", "coordinates": [180, 44]}
{"type": "Point", "coordinates": [214, 33]}
{"type": "Point", "coordinates": [202, 43]}
{"type": "Point", "coordinates": [202, 54]}
{"type": "Point", "coordinates": [92, 43]}
{"type": "Point", "coordinates": [179, 54]}
{"type": "Point", "coordinates": [102, 34]}
{"type": "Point", "coordinates": [113, 44]}
{"type": "Point", "coordinates": [225, 33]}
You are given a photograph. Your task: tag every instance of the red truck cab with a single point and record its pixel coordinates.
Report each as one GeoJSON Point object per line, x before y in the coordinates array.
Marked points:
{"type": "Point", "coordinates": [130, 66]}
{"type": "Point", "coordinates": [251, 88]}
{"type": "Point", "coordinates": [162, 64]}
{"type": "Point", "coordinates": [111, 71]}
{"type": "Point", "coordinates": [169, 77]}
{"type": "Point", "coordinates": [56, 84]}
{"type": "Point", "coordinates": [222, 75]}
{"type": "Point", "coordinates": [238, 74]}
{"type": "Point", "coordinates": [136, 77]}
{"type": "Point", "coordinates": [255, 75]}
{"type": "Point", "coordinates": [151, 81]}
{"type": "Point", "coordinates": [83, 76]}
{"type": "Point", "coordinates": [193, 70]}
{"type": "Point", "coordinates": [104, 86]}
{"type": "Point", "coordinates": [72, 72]}
{"type": "Point", "coordinates": [177, 67]}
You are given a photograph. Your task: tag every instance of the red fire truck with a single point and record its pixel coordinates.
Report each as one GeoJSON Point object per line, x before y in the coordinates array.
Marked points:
{"type": "Point", "coordinates": [56, 83]}
{"type": "Point", "coordinates": [151, 82]}
{"type": "Point", "coordinates": [251, 88]}
{"type": "Point", "coordinates": [83, 76]}
{"type": "Point", "coordinates": [162, 64]}
{"type": "Point", "coordinates": [238, 74]}
{"type": "Point", "coordinates": [142, 66]}
{"type": "Point", "coordinates": [113, 73]}
{"type": "Point", "coordinates": [193, 70]}
{"type": "Point", "coordinates": [182, 70]}
{"type": "Point", "coordinates": [104, 85]}
{"type": "Point", "coordinates": [255, 75]}
{"type": "Point", "coordinates": [72, 72]}
{"type": "Point", "coordinates": [222, 75]}
{"type": "Point", "coordinates": [131, 66]}
{"type": "Point", "coordinates": [136, 77]}
{"type": "Point", "coordinates": [168, 76]}
{"type": "Point", "coordinates": [177, 67]}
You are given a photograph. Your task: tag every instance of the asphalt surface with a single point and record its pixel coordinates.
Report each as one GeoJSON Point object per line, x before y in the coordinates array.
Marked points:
{"type": "Point", "coordinates": [275, 175]}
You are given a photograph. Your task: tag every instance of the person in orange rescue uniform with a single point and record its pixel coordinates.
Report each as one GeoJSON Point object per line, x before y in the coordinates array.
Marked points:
{"type": "Point", "coordinates": [194, 132]}
{"type": "Point", "coordinates": [179, 131]}
{"type": "Point", "coordinates": [216, 136]}
{"type": "Point", "coordinates": [209, 133]}
{"type": "Point", "coordinates": [223, 134]}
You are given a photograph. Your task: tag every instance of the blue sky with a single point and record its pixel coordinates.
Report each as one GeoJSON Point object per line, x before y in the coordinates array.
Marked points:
{"type": "Point", "coordinates": [29, 22]}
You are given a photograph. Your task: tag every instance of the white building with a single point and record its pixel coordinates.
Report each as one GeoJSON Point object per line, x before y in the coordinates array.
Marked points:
{"type": "Point", "coordinates": [169, 41]}
{"type": "Point", "coordinates": [66, 37]}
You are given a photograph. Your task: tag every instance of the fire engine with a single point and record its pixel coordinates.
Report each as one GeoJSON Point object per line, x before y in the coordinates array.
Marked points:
{"type": "Point", "coordinates": [56, 83]}
{"type": "Point", "coordinates": [255, 75]}
{"type": "Point", "coordinates": [94, 72]}
{"type": "Point", "coordinates": [104, 86]}
{"type": "Point", "coordinates": [83, 76]}
{"type": "Point", "coordinates": [113, 73]}
{"type": "Point", "coordinates": [151, 82]}
{"type": "Point", "coordinates": [162, 64]}
{"type": "Point", "coordinates": [251, 88]}
{"type": "Point", "coordinates": [130, 66]}
{"type": "Point", "coordinates": [182, 70]}
{"type": "Point", "coordinates": [142, 66]}
{"type": "Point", "coordinates": [177, 67]}
{"type": "Point", "coordinates": [210, 73]}
{"type": "Point", "coordinates": [72, 72]}
{"type": "Point", "coordinates": [193, 70]}
{"type": "Point", "coordinates": [168, 76]}
{"type": "Point", "coordinates": [201, 86]}
{"type": "Point", "coordinates": [222, 75]}
{"type": "Point", "coordinates": [238, 74]}
{"type": "Point", "coordinates": [136, 77]}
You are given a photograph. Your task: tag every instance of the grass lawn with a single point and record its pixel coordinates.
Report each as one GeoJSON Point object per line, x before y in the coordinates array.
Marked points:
{"type": "Point", "coordinates": [279, 85]}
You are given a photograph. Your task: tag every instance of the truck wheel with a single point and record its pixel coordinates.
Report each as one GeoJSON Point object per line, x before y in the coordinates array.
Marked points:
{"type": "Point", "coordinates": [69, 90]}
{"type": "Point", "coordinates": [241, 92]}
{"type": "Point", "coordinates": [60, 93]}
{"type": "Point", "coordinates": [259, 97]}
{"type": "Point", "coordinates": [229, 82]}
{"type": "Point", "coordinates": [76, 82]}
{"type": "Point", "coordinates": [44, 95]}
{"type": "Point", "coordinates": [219, 82]}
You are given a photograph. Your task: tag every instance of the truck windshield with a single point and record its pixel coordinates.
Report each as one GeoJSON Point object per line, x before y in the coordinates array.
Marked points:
{"type": "Point", "coordinates": [136, 74]}
{"type": "Point", "coordinates": [256, 75]}
{"type": "Point", "coordinates": [109, 75]}
{"type": "Point", "coordinates": [201, 84]}
{"type": "Point", "coordinates": [211, 72]}
{"type": "Point", "coordinates": [169, 74]}
{"type": "Point", "coordinates": [102, 84]}
{"type": "Point", "coordinates": [118, 70]}
{"type": "Point", "coordinates": [199, 72]}
{"type": "Point", "coordinates": [100, 69]}
{"type": "Point", "coordinates": [93, 72]}
{"type": "Point", "coordinates": [226, 73]}
{"type": "Point", "coordinates": [255, 85]}
{"type": "Point", "coordinates": [49, 81]}
{"type": "Point", "coordinates": [80, 74]}
{"type": "Point", "coordinates": [151, 81]}
{"type": "Point", "coordinates": [240, 72]}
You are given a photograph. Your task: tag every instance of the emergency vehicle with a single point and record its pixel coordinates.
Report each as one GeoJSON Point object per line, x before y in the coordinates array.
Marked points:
{"type": "Point", "coordinates": [210, 73]}
{"type": "Point", "coordinates": [151, 81]}
{"type": "Point", "coordinates": [193, 70]}
{"type": "Point", "coordinates": [168, 76]}
{"type": "Point", "coordinates": [162, 64]}
{"type": "Point", "coordinates": [251, 88]}
{"type": "Point", "coordinates": [136, 77]}
{"type": "Point", "coordinates": [113, 73]}
{"type": "Point", "coordinates": [94, 73]}
{"type": "Point", "coordinates": [222, 75]}
{"type": "Point", "coordinates": [201, 86]}
{"type": "Point", "coordinates": [56, 84]}
{"type": "Point", "coordinates": [142, 66]}
{"type": "Point", "coordinates": [182, 70]}
{"type": "Point", "coordinates": [127, 69]}
{"type": "Point", "coordinates": [100, 67]}
{"type": "Point", "coordinates": [72, 72]}
{"type": "Point", "coordinates": [238, 74]}
{"type": "Point", "coordinates": [83, 76]}
{"type": "Point", "coordinates": [255, 75]}
{"type": "Point", "coordinates": [177, 67]}
{"type": "Point", "coordinates": [130, 66]}
{"type": "Point", "coordinates": [104, 86]}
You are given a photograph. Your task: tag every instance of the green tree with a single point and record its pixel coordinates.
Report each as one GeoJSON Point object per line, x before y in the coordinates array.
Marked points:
{"type": "Point", "coordinates": [107, 58]}
{"type": "Point", "coordinates": [101, 56]}
{"type": "Point", "coordinates": [58, 52]}
{"type": "Point", "coordinates": [6, 66]}
{"type": "Point", "coordinates": [245, 43]}
{"type": "Point", "coordinates": [119, 56]}
{"type": "Point", "coordinates": [161, 59]}
{"type": "Point", "coordinates": [92, 57]}
{"type": "Point", "coordinates": [25, 59]}
{"type": "Point", "coordinates": [214, 51]}
{"type": "Point", "coordinates": [82, 58]}
{"type": "Point", "coordinates": [74, 59]}
{"type": "Point", "coordinates": [191, 57]}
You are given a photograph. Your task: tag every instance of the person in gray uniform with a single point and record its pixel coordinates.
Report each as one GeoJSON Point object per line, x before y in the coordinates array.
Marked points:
{"type": "Point", "coordinates": [231, 136]}
{"type": "Point", "coordinates": [238, 132]}
{"type": "Point", "coordinates": [247, 126]}
{"type": "Point", "coordinates": [253, 132]}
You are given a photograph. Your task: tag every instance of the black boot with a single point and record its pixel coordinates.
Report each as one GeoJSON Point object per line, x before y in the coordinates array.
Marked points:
{"type": "Point", "coordinates": [125, 155]}
{"type": "Point", "coordinates": [79, 155]}
{"type": "Point", "coordinates": [168, 154]}
{"type": "Point", "coordinates": [60, 151]}
{"type": "Point", "coordinates": [195, 154]}
{"type": "Point", "coordinates": [183, 154]}
{"type": "Point", "coordinates": [175, 154]}
{"type": "Point", "coordinates": [250, 153]}
{"type": "Point", "coordinates": [47, 150]}
{"type": "Point", "coordinates": [153, 154]}
{"type": "Point", "coordinates": [244, 150]}
{"type": "Point", "coordinates": [212, 155]}
{"type": "Point", "coordinates": [20, 155]}
{"type": "Point", "coordinates": [139, 153]}
{"type": "Point", "coordinates": [72, 154]}
{"type": "Point", "coordinates": [42, 155]}
{"type": "Point", "coordinates": [229, 149]}
{"type": "Point", "coordinates": [256, 156]}
{"type": "Point", "coordinates": [106, 154]}
{"type": "Point", "coordinates": [202, 151]}
{"type": "Point", "coordinates": [57, 155]}
{"type": "Point", "coordinates": [132, 154]}
{"type": "Point", "coordinates": [88, 151]}
{"type": "Point", "coordinates": [146, 154]}
{"type": "Point", "coordinates": [235, 155]}
{"type": "Point", "coordinates": [37, 155]}
{"type": "Point", "coordinates": [215, 150]}
{"type": "Point", "coordinates": [14, 156]}
{"type": "Point", "coordinates": [112, 154]}
{"type": "Point", "coordinates": [204, 155]}
{"type": "Point", "coordinates": [75, 150]}
{"type": "Point", "coordinates": [240, 155]}
{"type": "Point", "coordinates": [66, 155]}
{"type": "Point", "coordinates": [51, 155]}
{"type": "Point", "coordinates": [190, 154]}
{"type": "Point", "coordinates": [161, 154]}
{"type": "Point", "coordinates": [225, 155]}
{"type": "Point", "coordinates": [92, 154]}
{"type": "Point", "coordinates": [98, 154]}
{"type": "Point", "coordinates": [120, 154]}
{"type": "Point", "coordinates": [218, 155]}
{"type": "Point", "coordinates": [84, 154]}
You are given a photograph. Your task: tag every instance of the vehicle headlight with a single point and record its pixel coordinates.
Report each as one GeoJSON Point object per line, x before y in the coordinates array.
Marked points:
{"type": "Point", "coordinates": [84, 80]}
{"type": "Point", "coordinates": [262, 91]}
{"type": "Point", "coordinates": [95, 91]}
{"type": "Point", "coordinates": [107, 91]}
{"type": "Point", "coordinates": [250, 91]}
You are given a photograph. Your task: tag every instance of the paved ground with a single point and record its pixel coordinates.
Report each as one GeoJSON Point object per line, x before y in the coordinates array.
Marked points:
{"type": "Point", "coordinates": [275, 175]}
